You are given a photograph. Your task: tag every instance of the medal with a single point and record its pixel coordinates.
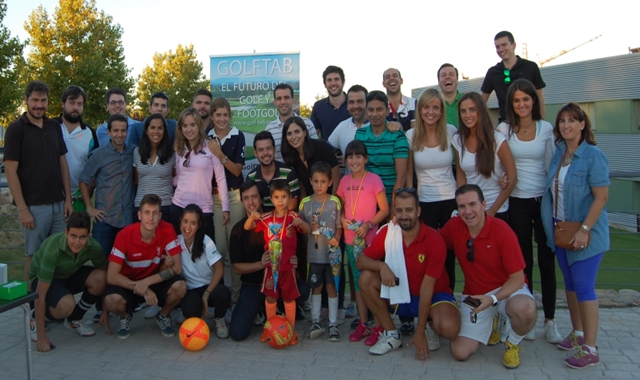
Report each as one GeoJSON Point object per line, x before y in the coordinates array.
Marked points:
{"type": "Point", "coordinates": [354, 205]}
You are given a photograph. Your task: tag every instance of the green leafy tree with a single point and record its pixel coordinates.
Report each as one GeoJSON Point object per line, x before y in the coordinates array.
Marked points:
{"type": "Point", "coordinates": [10, 64]}
{"type": "Point", "coordinates": [77, 45]}
{"type": "Point", "coordinates": [177, 74]}
{"type": "Point", "coordinates": [305, 110]}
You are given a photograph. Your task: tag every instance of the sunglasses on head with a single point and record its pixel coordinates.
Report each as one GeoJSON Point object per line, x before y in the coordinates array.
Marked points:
{"type": "Point", "coordinates": [507, 76]}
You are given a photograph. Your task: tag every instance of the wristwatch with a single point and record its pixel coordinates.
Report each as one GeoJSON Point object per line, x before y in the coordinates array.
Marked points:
{"type": "Point", "coordinates": [224, 160]}
{"type": "Point", "coordinates": [495, 300]}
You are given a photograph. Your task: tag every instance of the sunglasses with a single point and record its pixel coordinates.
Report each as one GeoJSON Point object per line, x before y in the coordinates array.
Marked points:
{"type": "Point", "coordinates": [409, 190]}
{"type": "Point", "coordinates": [507, 76]}
{"type": "Point", "coordinates": [470, 252]}
{"type": "Point", "coordinates": [187, 158]}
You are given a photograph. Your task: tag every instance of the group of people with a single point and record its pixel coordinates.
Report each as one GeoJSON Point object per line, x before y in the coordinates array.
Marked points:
{"type": "Point", "coordinates": [397, 187]}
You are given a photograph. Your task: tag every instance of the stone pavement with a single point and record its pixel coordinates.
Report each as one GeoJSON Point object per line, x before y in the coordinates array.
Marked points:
{"type": "Point", "coordinates": [148, 355]}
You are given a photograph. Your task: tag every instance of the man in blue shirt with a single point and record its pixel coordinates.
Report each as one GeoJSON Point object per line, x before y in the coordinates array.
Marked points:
{"type": "Point", "coordinates": [327, 113]}
{"type": "Point", "coordinates": [159, 104]}
{"type": "Point", "coordinates": [116, 105]}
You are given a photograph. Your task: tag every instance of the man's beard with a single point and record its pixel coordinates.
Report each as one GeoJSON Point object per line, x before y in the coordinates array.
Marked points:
{"type": "Point", "coordinates": [70, 118]}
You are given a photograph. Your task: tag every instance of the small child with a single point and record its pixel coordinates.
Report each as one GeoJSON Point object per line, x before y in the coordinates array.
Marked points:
{"type": "Point", "coordinates": [360, 192]}
{"type": "Point", "coordinates": [289, 222]}
{"type": "Point", "coordinates": [322, 210]}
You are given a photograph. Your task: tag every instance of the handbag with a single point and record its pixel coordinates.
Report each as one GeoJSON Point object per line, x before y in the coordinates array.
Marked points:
{"type": "Point", "coordinates": [564, 231]}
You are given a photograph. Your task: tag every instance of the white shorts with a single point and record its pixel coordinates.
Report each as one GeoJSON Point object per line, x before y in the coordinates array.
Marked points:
{"type": "Point", "coordinates": [481, 330]}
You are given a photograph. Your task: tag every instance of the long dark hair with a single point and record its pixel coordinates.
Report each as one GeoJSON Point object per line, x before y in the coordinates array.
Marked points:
{"type": "Point", "coordinates": [165, 151]}
{"type": "Point", "coordinates": [485, 155]}
{"type": "Point", "coordinates": [575, 111]}
{"type": "Point", "coordinates": [512, 117]}
{"type": "Point", "coordinates": [198, 242]}
{"type": "Point", "coordinates": [289, 154]}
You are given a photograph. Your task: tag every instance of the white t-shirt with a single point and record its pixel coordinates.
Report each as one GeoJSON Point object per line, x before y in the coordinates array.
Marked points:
{"type": "Point", "coordinates": [199, 274]}
{"type": "Point", "coordinates": [532, 159]}
{"type": "Point", "coordinates": [490, 186]}
{"type": "Point", "coordinates": [433, 169]}
{"type": "Point", "coordinates": [560, 196]}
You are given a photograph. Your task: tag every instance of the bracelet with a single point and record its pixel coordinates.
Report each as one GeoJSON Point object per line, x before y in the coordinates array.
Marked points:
{"type": "Point", "coordinates": [206, 294]}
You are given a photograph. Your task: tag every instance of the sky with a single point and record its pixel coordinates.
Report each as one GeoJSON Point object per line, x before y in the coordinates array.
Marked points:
{"type": "Point", "coordinates": [363, 37]}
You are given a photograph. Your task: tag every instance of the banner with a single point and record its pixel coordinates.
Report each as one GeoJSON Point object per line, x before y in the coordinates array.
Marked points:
{"type": "Point", "coordinates": [247, 81]}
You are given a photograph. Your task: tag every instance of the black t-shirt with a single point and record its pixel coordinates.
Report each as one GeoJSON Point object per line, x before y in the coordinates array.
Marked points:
{"type": "Point", "coordinates": [322, 151]}
{"type": "Point", "coordinates": [246, 247]}
{"type": "Point", "coordinates": [494, 80]}
{"type": "Point", "coordinates": [37, 151]}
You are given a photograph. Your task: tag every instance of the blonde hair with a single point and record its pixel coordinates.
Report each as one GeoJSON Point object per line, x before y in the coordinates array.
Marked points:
{"type": "Point", "coordinates": [417, 144]}
{"type": "Point", "coordinates": [181, 145]}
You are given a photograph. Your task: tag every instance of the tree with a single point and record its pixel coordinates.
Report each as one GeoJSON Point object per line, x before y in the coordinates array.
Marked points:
{"type": "Point", "coordinates": [305, 110]}
{"type": "Point", "coordinates": [10, 63]}
{"type": "Point", "coordinates": [79, 45]}
{"type": "Point", "coordinates": [177, 74]}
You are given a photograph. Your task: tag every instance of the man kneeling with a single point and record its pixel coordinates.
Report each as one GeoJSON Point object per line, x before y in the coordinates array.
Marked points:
{"type": "Point", "coordinates": [57, 272]}
{"type": "Point", "coordinates": [145, 265]}
{"type": "Point", "coordinates": [424, 254]}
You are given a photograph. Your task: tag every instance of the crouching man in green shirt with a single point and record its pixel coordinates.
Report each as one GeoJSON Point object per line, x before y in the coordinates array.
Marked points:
{"type": "Point", "coordinates": [58, 271]}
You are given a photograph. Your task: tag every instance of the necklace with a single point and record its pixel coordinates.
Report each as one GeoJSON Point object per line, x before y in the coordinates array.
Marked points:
{"type": "Point", "coordinates": [568, 157]}
{"type": "Point", "coordinates": [316, 215]}
{"type": "Point", "coordinates": [355, 205]}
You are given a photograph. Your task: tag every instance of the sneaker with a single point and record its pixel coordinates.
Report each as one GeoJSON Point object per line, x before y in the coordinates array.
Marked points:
{"type": "Point", "coordinates": [583, 358]}
{"type": "Point", "coordinates": [572, 341]}
{"type": "Point", "coordinates": [531, 335]}
{"type": "Point", "coordinates": [152, 312]}
{"type": "Point", "coordinates": [221, 329]}
{"type": "Point", "coordinates": [180, 317]}
{"type": "Point", "coordinates": [495, 332]}
{"type": "Point", "coordinates": [351, 310]}
{"type": "Point", "coordinates": [373, 338]}
{"type": "Point", "coordinates": [124, 329]}
{"type": "Point", "coordinates": [166, 328]}
{"type": "Point", "coordinates": [362, 331]}
{"type": "Point", "coordinates": [505, 328]}
{"type": "Point", "coordinates": [140, 306]}
{"type": "Point", "coordinates": [355, 323]}
{"type": "Point", "coordinates": [300, 314]}
{"type": "Point", "coordinates": [341, 315]}
{"type": "Point", "coordinates": [407, 328]}
{"type": "Point", "coordinates": [511, 357]}
{"type": "Point", "coordinates": [96, 318]}
{"type": "Point", "coordinates": [334, 334]}
{"type": "Point", "coordinates": [306, 305]}
{"type": "Point", "coordinates": [259, 319]}
{"type": "Point", "coordinates": [432, 339]}
{"type": "Point", "coordinates": [316, 330]}
{"type": "Point", "coordinates": [385, 344]}
{"type": "Point", "coordinates": [81, 328]}
{"type": "Point", "coordinates": [551, 332]}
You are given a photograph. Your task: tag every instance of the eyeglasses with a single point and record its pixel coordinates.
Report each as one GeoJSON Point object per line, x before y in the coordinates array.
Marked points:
{"type": "Point", "coordinates": [473, 317]}
{"type": "Point", "coordinates": [507, 76]}
{"type": "Point", "coordinates": [117, 103]}
{"type": "Point", "coordinates": [470, 252]}
{"type": "Point", "coordinates": [187, 157]}
{"type": "Point", "coordinates": [409, 190]}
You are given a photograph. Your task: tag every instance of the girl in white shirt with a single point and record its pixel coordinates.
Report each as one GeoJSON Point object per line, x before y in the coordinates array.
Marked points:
{"type": "Point", "coordinates": [531, 141]}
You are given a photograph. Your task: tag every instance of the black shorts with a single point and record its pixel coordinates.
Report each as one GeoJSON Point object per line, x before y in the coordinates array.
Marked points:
{"type": "Point", "coordinates": [320, 274]}
{"type": "Point", "coordinates": [133, 300]}
{"type": "Point", "coordinates": [61, 287]}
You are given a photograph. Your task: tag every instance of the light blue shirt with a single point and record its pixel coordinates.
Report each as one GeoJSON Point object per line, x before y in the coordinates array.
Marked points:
{"type": "Point", "coordinates": [136, 130]}
{"type": "Point", "coordinates": [589, 168]}
{"type": "Point", "coordinates": [103, 133]}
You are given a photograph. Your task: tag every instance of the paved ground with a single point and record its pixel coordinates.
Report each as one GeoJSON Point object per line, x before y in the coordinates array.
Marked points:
{"type": "Point", "coordinates": [148, 355]}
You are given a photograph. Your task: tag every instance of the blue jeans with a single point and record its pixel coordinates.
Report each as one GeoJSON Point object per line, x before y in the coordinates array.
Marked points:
{"type": "Point", "coordinates": [105, 234]}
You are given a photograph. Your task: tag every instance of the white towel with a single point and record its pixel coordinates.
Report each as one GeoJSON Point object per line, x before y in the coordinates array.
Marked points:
{"type": "Point", "coordinates": [394, 257]}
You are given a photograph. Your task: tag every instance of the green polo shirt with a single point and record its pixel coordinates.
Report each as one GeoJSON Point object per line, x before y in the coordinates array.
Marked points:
{"type": "Point", "coordinates": [452, 110]}
{"type": "Point", "coordinates": [54, 258]}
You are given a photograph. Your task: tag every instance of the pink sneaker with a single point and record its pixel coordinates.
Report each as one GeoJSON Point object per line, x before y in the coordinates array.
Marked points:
{"type": "Point", "coordinates": [571, 342]}
{"type": "Point", "coordinates": [375, 334]}
{"type": "Point", "coordinates": [362, 331]}
{"type": "Point", "coordinates": [583, 358]}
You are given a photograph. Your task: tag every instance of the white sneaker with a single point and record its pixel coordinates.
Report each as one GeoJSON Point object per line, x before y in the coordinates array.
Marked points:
{"type": "Point", "coordinates": [385, 344]}
{"type": "Point", "coordinates": [259, 319]}
{"type": "Point", "coordinates": [432, 339]}
{"type": "Point", "coordinates": [80, 327]}
{"type": "Point", "coordinates": [221, 329]}
{"type": "Point", "coordinates": [152, 312]}
{"type": "Point", "coordinates": [505, 327]}
{"type": "Point", "coordinates": [551, 332]}
{"type": "Point", "coordinates": [531, 335]}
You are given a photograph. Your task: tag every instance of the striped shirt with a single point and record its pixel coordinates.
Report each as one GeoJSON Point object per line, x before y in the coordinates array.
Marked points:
{"type": "Point", "coordinates": [275, 127]}
{"type": "Point", "coordinates": [154, 178]}
{"type": "Point", "coordinates": [282, 172]}
{"type": "Point", "coordinates": [383, 150]}
{"type": "Point", "coordinates": [140, 260]}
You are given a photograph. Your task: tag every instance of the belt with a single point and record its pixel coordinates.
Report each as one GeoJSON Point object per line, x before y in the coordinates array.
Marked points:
{"type": "Point", "coordinates": [216, 191]}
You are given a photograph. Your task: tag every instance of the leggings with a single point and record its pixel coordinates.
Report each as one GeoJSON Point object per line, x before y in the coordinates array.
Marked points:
{"type": "Point", "coordinates": [579, 277]}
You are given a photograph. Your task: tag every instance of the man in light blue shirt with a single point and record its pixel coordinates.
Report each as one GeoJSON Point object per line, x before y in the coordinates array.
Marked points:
{"type": "Point", "coordinates": [159, 104]}
{"type": "Point", "coordinates": [116, 104]}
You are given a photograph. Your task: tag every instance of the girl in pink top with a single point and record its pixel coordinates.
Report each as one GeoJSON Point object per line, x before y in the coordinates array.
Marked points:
{"type": "Point", "coordinates": [360, 192]}
{"type": "Point", "coordinates": [195, 167]}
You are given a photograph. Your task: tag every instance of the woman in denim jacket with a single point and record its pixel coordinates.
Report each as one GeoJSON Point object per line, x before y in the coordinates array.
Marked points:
{"type": "Point", "coordinates": [582, 173]}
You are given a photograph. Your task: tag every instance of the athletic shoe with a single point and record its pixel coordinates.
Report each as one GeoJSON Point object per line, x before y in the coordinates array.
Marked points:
{"type": "Point", "coordinates": [551, 332]}
{"type": "Point", "coordinates": [334, 334]}
{"type": "Point", "coordinates": [340, 319]}
{"type": "Point", "coordinates": [583, 358]}
{"type": "Point", "coordinates": [124, 329]}
{"type": "Point", "coordinates": [407, 328]}
{"type": "Point", "coordinates": [511, 357]}
{"type": "Point", "coordinates": [355, 323]}
{"type": "Point", "coordinates": [96, 318]}
{"type": "Point", "coordinates": [351, 310]}
{"type": "Point", "coordinates": [140, 306]}
{"type": "Point", "coordinates": [505, 328]}
{"type": "Point", "coordinates": [571, 342]}
{"type": "Point", "coordinates": [81, 328]}
{"type": "Point", "coordinates": [306, 305]}
{"type": "Point", "coordinates": [221, 329]}
{"type": "Point", "coordinates": [316, 330]}
{"type": "Point", "coordinates": [152, 312]}
{"type": "Point", "coordinates": [375, 334]}
{"type": "Point", "coordinates": [495, 333]}
{"type": "Point", "coordinates": [362, 331]}
{"type": "Point", "coordinates": [531, 335]}
{"type": "Point", "coordinates": [259, 319]}
{"type": "Point", "coordinates": [166, 328]}
{"type": "Point", "coordinates": [300, 314]}
{"type": "Point", "coordinates": [432, 339]}
{"type": "Point", "coordinates": [385, 344]}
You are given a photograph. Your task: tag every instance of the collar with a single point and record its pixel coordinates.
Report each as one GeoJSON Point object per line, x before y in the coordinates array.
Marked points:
{"type": "Point", "coordinates": [488, 222]}
{"type": "Point", "coordinates": [280, 123]}
{"type": "Point", "coordinates": [26, 120]}
{"type": "Point", "coordinates": [276, 172]}
{"type": "Point", "coordinates": [59, 119]}
{"type": "Point", "coordinates": [113, 148]}
{"type": "Point", "coordinates": [234, 132]}
{"type": "Point", "coordinates": [518, 62]}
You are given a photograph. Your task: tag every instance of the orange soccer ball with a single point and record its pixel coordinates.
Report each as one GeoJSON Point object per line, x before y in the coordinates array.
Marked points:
{"type": "Point", "coordinates": [194, 334]}
{"type": "Point", "coordinates": [278, 331]}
